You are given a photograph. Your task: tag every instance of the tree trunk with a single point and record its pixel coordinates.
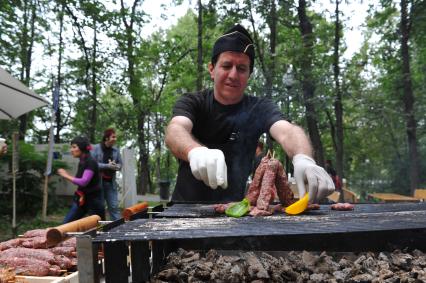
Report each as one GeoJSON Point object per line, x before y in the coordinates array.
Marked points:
{"type": "Point", "coordinates": [272, 23]}
{"type": "Point", "coordinates": [59, 76]}
{"type": "Point", "coordinates": [408, 97]}
{"type": "Point", "coordinates": [308, 86]}
{"type": "Point", "coordinates": [267, 68]}
{"type": "Point", "coordinates": [158, 138]}
{"type": "Point", "coordinates": [200, 47]}
{"type": "Point", "coordinates": [94, 114]}
{"type": "Point", "coordinates": [338, 108]}
{"type": "Point", "coordinates": [134, 91]}
{"type": "Point", "coordinates": [27, 42]}
{"type": "Point", "coordinates": [143, 157]}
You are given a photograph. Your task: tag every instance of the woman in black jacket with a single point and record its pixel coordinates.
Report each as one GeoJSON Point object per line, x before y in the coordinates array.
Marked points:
{"type": "Point", "coordinates": [87, 198]}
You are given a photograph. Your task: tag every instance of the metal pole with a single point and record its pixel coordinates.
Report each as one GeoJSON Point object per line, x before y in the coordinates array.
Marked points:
{"type": "Point", "coordinates": [48, 169]}
{"type": "Point", "coordinates": [287, 159]}
{"type": "Point", "coordinates": [15, 168]}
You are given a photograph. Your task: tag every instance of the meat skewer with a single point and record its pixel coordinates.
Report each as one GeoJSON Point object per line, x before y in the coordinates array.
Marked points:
{"type": "Point", "coordinates": [66, 251]}
{"type": "Point", "coordinates": [342, 206]}
{"type": "Point", "coordinates": [268, 190]}
{"type": "Point", "coordinates": [30, 266]}
{"type": "Point", "coordinates": [35, 233]}
{"type": "Point", "coordinates": [269, 182]}
{"type": "Point", "coordinates": [254, 188]}
{"type": "Point", "coordinates": [285, 194]}
{"type": "Point", "coordinates": [12, 243]}
{"type": "Point", "coordinates": [37, 254]}
{"type": "Point", "coordinates": [35, 242]}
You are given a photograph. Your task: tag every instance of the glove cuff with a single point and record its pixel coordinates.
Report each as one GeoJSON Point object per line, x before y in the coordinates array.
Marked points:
{"type": "Point", "coordinates": [300, 157]}
{"type": "Point", "coordinates": [195, 150]}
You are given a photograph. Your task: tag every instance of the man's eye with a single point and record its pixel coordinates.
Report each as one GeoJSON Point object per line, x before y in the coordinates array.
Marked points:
{"type": "Point", "coordinates": [242, 68]}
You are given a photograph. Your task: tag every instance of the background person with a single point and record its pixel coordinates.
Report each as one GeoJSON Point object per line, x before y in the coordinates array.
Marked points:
{"type": "Point", "coordinates": [332, 172]}
{"type": "Point", "coordinates": [259, 154]}
{"type": "Point", "coordinates": [214, 133]}
{"type": "Point", "coordinates": [109, 162]}
{"type": "Point", "coordinates": [3, 147]}
{"type": "Point", "coordinates": [88, 197]}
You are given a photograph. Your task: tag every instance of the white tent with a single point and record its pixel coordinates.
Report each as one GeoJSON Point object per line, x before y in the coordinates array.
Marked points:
{"type": "Point", "coordinates": [15, 98]}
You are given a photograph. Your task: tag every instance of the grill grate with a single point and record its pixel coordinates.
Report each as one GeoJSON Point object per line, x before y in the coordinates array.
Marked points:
{"type": "Point", "coordinates": [205, 210]}
{"type": "Point", "coordinates": [370, 227]}
{"type": "Point", "coordinates": [218, 227]}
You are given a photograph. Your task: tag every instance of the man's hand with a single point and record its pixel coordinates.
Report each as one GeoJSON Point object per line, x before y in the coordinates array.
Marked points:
{"type": "Point", "coordinates": [208, 165]}
{"type": "Point", "coordinates": [319, 182]}
{"type": "Point", "coordinates": [3, 149]}
{"type": "Point", "coordinates": [3, 146]}
{"type": "Point", "coordinates": [113, 166]}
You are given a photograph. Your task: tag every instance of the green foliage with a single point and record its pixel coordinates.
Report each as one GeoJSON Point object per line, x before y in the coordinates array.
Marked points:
{"type": "Point", "coordinates": [29, 181]}
{"type": "Point", "coordinates": [165, 66]}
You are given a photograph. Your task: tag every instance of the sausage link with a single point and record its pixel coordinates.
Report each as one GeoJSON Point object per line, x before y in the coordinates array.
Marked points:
{"type": "Point", "coordinates": [267, 187]}
{"type": "Point", "coordinates": [285, 194]}
{"type": "Point", "coordinates": [254, 188]}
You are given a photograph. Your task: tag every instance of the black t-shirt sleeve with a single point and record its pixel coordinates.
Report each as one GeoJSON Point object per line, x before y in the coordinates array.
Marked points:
{"type": "Point", "coordinates": [187, 106]}
{"type": "Point", "coordinates": [272, 112]}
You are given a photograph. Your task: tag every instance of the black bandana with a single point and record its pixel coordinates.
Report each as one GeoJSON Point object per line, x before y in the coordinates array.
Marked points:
{"type": "Point", "coordinates": [236, 39]}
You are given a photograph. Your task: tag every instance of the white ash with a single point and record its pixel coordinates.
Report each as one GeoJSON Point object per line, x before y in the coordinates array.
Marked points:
{"type": "Point", "coordinates": [298, 267]}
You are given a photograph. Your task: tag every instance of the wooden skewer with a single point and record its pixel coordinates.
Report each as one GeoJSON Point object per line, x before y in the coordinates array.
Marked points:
{"type": "Point", "coordinates": [57, 234]}
{"type": "Point", "coordinates": [129, 211]}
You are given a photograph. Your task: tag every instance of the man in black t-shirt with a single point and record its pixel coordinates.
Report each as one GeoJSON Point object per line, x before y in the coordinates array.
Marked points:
{"type": "Point", "coordinates": [214, 133]}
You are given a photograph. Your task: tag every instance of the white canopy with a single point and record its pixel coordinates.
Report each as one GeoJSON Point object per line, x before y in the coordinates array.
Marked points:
{"type": "Point", "coordinates": [15, 98]}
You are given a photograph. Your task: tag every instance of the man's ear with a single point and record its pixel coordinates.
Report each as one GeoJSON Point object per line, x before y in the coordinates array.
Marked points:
{"type": "Point", "coordinates": [211, 69]}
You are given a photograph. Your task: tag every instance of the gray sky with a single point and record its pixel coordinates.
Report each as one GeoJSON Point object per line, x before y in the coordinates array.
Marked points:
{"type": "Point", "coordinates": [354, 17]}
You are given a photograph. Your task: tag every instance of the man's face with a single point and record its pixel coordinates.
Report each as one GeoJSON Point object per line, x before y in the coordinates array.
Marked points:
{"type": "Point", "coordinates": [230, 76]}
{"type": "Point", "coordinates": [111, 140]}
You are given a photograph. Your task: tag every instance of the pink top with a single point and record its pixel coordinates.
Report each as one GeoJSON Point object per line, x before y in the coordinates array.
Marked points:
{"type": "Point", "coordinates": [85, 179]}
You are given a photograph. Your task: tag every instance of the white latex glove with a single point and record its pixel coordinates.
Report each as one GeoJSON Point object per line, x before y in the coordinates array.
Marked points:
{"type": "Point", "coordinates": [319, 182]}
{"type": "Point", "coordinates": [208, 165]}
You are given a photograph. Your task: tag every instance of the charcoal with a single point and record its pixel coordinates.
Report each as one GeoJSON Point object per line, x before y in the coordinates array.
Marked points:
{"type": "Point", "coordinates": [361, 278]}
{"type": "Point", "coordinates": [255, 267]}
{"type": "Point", "coordinates": [193, 257]}
{"type": "Point", "coordinates": [385, 274]}
{"type": "Point", "coordinates": [342, 275]}
{"type": "Point", "coordinates": [384, 267]}
{"type": "Point", "coordinates": [317, 277]}
{"type": "Point", "coordinates": [168, 274]}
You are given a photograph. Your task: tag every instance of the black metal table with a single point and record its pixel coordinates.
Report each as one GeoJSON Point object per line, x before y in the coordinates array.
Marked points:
{"type": "Point", "coordinates": [147, 242]}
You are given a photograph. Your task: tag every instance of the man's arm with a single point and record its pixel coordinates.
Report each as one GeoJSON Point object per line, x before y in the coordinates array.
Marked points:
{"type": "Point", "coordinates": [296, 144]}
{"type": "Point", "coordinates": [179, 138]}
{"type": "Point", "coordinates": [292, 138]}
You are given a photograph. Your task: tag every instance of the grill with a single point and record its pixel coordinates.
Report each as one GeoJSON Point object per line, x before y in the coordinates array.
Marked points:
{"type": "Point", "coordinates": [145, 242]}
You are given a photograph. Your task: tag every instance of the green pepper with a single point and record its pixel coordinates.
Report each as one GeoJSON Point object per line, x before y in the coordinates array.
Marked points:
{"type": "Point", "coordinates": [238, 209]}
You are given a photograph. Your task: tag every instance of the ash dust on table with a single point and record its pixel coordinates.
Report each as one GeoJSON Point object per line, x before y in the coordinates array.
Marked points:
{"type": "Point", "coordinates": [190, 266]}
